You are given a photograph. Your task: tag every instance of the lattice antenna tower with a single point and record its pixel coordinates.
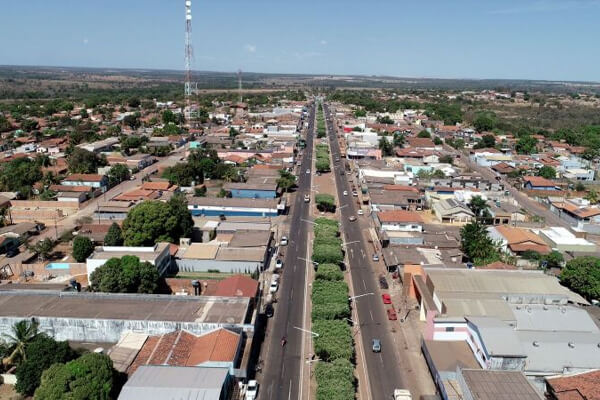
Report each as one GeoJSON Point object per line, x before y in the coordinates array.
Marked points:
{"type": "Point", "coordinates": [189, 51]}
{"type": "Point", "coordinates": [239, 75]}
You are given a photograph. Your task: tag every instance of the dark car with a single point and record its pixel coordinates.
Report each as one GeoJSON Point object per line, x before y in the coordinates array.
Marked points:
{"type": "Point", "coordinates": [269, 311]}
{"type": "Point", "coordinates": [383, 282]}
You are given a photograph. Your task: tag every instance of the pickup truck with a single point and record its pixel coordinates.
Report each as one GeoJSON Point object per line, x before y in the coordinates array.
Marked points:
{"type": "Point", "coordinates": [402, 394]}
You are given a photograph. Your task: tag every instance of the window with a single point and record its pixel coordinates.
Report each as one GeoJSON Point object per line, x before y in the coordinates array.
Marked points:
{"type": "Point", "coordinates": [449, 329]}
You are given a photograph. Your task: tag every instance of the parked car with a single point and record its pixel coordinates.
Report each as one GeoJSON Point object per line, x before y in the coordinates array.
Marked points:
{"type": "Point", "coordinates": [284, 241]}
{"type": "Point", "coordinates": [278, 263]}
{"type": "Point", "coordinates": [269, 310]}
{"type": "Point", "coordinates": [387, 299]}
{"type": "Point", "coordinates": [383, 282]}
{"type": "Point", "coordinates": [308, 171]}
{"type": "Point", "coordinates": [360, 212]}
{"type": "Point", "coordinates": [352, 218]}
{"type": "Point", "coordinates": [354, 193]}
{"type": "Point", "coordinates": [251, 390]}
{"type": "Point", "coordinates": [376, 345]}
{"type": "Point", "coordinates": [274, 286]}
{"type": "Point", "coordinates": [375, 257]}
{"type": "Point", "coordinates": [345, 193]}
{"type": "Point", "coordinates": [306, 198]}
{"type": "Point", "coordinates": [392, 316]}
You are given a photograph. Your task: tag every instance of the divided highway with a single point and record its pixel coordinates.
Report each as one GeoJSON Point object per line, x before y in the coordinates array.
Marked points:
{"type": "Point", "coordinates": [283, 369]}
{"type": "Point", "coordinates": [382, 368]}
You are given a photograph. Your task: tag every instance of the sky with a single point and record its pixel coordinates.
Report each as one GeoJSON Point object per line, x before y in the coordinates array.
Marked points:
{"type": "Point", "coordinates": [503, 39]}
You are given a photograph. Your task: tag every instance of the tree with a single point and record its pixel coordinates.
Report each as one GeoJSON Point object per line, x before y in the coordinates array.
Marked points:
{"type": "Point", "coordinates": [168, 117]}
{"type": "Point", "coordinates": [117, 174]}
{"type": "Point", "coordinates": [456, 143]}
{"type": "Point", "coordinates": [286, 180]}
{"type": "Point", "coordinates": [478, 205]}
{"type": "Point", "coordinates": [114, 236]}
{"type": "Point", "coordinates": [132, 121]}
{"type": "Point", "coordinates": [325, 202]}
{"type": "Point", "coordinates": [592, 196]}
{"type": "Point", "coordinates": [554, 259]}
{"type": "Point", "coordinates": [82, 248]}
{"type": "Point", "coordinates": [446, 159]}
{"type": "Point", "coordinates": [477, 245]}
{"type": "Point", "coordinates": [134, 102]}
{"type": "Point", "coordinates": [385, 120]}
{"type": "Point", "coordinates": [153, 221]}
{"type": "Point", "coordinates": [438, 174]}
{"type": "Point", "coordinates": [81, 161]}
{"type": "Point", "coordinates": [386, 147]}
{"type": "Point", "coordinates": [41, 352]}
{"type": "Point", "coordinates": [582, 275]}
{"type": "Point", "coordinates": [424, 134]}
{"type": "Point", "coordinates": [125, 275]}
{"type": "Point", "coordinates": [485, 142]}
{"type": "Point", "coordinates": [360, 113]}
{"type": "Point", "coordinates": [526, 145]}
{"type": "Point", "coordinates": [23, 333]}
{"type": "Point", "coordinates": [485, 121]}
{"type": "Point", "coordinates": [19, 175]}
{"type": "Point", "coordinates": [43, 248]}
{"type": "Point", "coordinates": [89, 377]}
{"type": "Point", "coordinates": [580, 187]}
{"type": "Point", "coordinates": [547, 172]}
{"type": "Point", "coordinates": [437, 141]}
{"type": "Point", "coordinates": [399, 139]}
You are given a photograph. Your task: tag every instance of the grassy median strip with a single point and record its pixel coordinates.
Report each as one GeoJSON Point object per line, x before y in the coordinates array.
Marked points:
{"type": "Point", "coordinates": [334, 346]}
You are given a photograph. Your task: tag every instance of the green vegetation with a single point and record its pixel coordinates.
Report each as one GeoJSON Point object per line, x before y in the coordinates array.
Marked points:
{"type": "Point", "coordinates": [526, 145]}
{"type": "Point", "coordinates": [582, 275]}
{"type": "Point", "coordinates": [547, 172]}
{"type": "Point", "coordinates": [386, 147]}
{"type": "Point", "coordinates": [82, 248]}
{"type": "Point", "coordinates": [477, 245]}
{"type": "Point", "coordinates": [486, 142]}
{"type": "Point", "coordinates": [19, 175]}
{"type": "Point", "coordinates": [321, 129]}
{"type": "Point", "coordinates": [125, 275]}
{"type": "Point", "coordinates": [329, 272]}
{"type": "Point", "coordinates": [81, 161]}
{"type": "Point", "coordinates": [322, 154]}
{"type": "Point", "coordinates": [327, 245]}
{"type": "Point", "coordinates": [151, 222]}
{"type": "Point", "coordinates": [485, 121]}
{"type": "Point", "coordinates": [336, 380]}
{"type": "Point", "coordinates": [89, 377]}
{"type": "Point", "coordinates": [334, 340]}
{"type": "Point", "coordinates": [286, 180]}
{"type": "Point", "coordinates": [325, 202]}
{"type": "Point", "coordinates": [200, 164]}
{"type": "Point", "coordinates": [114, 236]}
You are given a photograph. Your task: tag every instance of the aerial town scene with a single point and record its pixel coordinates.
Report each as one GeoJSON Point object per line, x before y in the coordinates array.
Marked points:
{"type": "Point", "coordinates": [339, 201]}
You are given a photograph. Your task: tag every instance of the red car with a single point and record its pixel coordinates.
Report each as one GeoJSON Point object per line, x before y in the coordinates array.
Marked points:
{"type": "Point", "coordinates": [392, 316]}
{"type": "Point", "coordinates": [387, 299]}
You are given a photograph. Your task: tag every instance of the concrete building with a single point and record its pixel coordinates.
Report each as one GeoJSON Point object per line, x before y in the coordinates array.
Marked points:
{"type": "Point", "coordinates": [477, 384]}
{"type": "Point", "coordinates": [100, 146]}
{"type": "Point", "coordinates": [400, 221]}
{"type": "Point", "coordinates": [157, 255]}
{"type": "Point", "coordinates": [562, 239]}
{"type": "Point", "coordinates": [452, 211]}
{"type": "Point", "coordinates": [103, 317]}
{"type": "Point", "coordinates": [91, 180]}
{"type": "Point", "coordinates": [252, 190]}
{"type": "Point", "coordinates": [206, 206]}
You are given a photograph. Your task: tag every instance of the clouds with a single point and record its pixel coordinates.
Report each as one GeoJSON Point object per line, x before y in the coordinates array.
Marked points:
{"type": "Point", "coordinates": [250, 48]}
{"type": "Point", "coordinates": [85, 41]}
{"type": "Point", "coordinates": [323, 42]}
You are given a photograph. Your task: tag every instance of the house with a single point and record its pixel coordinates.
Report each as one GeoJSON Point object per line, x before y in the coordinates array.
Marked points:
{"type": "Point", "coordinates": [409, 198]}
{"type": "Point", "coordinates": [579, 174]}
{"type": "Point", "coordinates": [93, 180]}
{"type": "Point", "coordinates": [157, 255]}
{"type": "Point", "coordinates": [164, 382]}
{"type": "Point", "coordinates": [478, 384]}
{"type": "Point", "coordinates": [518, 240]}
{"type": "Point", "coordinates": [576, 386]}
{"type": "Point", "coordinates": [538, 183]}
{"type": "Point", "coordinates": [207, 206]}
{"type": "Point", "coordinates": [578, 213]}
{"type": "Point", "coordinates": [400, 220]}
{"type": "Point", "coordinates": [562, 239]}
{"type": "Point", "coordinates": [448, 210]}
{"type": "Point", "coordinates": [100, 146]}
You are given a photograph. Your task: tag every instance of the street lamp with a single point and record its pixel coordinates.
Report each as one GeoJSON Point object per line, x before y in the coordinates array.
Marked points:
{"type": "Point", "coordinates": [360, 295]}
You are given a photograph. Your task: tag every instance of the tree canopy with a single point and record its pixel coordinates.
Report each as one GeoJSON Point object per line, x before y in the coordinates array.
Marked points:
{"type": "Point", "coordinates": [19, 175]}
{"type": "Point", "coordinates": [153, 221]}
{"type": "Point", "coordinates": [89, 377]}
{"type": "Point", "coordinates": [582, 275]}
{"type": "Point", "coordinates": [125, 275]}
{"type": "Point", "coordinates": [81, 161]}
{"type": "Point", "coordinates": [526, 145]}
{"type": "Point", "coordinates": [386, 147]}
{"type": "Point", "coordinates": [114, 236]}
{"type": "Point", "coordinates": [117, 174]}
{"type": "Point", "coordinates": [82, 248]}
{"type": "Point", "coordinates": [477, 244]}
{"type": "Point", "coordinates": [547, 172]}
{"type": "Point", "coordinates": [485, 142]}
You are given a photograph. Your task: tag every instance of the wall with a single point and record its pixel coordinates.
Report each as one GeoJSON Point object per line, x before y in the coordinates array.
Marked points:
{"type": "Point", "coordinates": [253, 194]}
{"type": "Point", "coordinates": [222, 266]}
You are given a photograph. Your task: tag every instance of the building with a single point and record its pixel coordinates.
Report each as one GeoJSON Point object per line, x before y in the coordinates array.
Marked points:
{"type": "Point", "coordinates": [201, 257]}
{"type": "Point", "coordinates": [104, 317]}
{"type": "Point", "coordinates": [578, 213]}
{"type": "Point", "coordinates": [538, 183]}
{"type": "Point", "coordinates": [561, 239]}
{"type": "Point", "coordinates": [251, 190]}
{"type": "Point", "coordinates": [577, 386]}
{"type": "Point", "coordinates": [157, 255]}
{"type": "Point", "coordinates": [215, 207]}
{"type": "Point", "coordinates": [477, 384]}
{"type": "Point", "coordinates": [400, 220]}
{"type": "Point", "coordinates": [100, 146]}
{"type": "Point", "coordinates": [518, 240]}
{"type": "Point", "coordinates": [163, 382]}
{"type": "Point", "coordinates": [452, 211]}
{"type": "Point", "coordinates": [91, 180]}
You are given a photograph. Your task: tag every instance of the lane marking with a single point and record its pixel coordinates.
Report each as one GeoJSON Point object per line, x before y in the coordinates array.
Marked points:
{"type": "Point", "coordinates": [371, 312]}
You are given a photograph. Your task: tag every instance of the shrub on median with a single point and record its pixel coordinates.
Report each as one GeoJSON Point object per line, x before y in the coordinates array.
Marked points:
{"type": "Point", "coordinates": [325, 202]}
{"type": "Point", "coordinates": [335, 380]}
{"type": "Point", "coordinates": [334, 340]}
{"type": "Point", "coordinates": [329, 272]}
{"type": "Point", "coordinates": [324, 292]}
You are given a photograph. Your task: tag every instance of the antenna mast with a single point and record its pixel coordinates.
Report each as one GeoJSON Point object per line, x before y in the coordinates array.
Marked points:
{"type": "Point", "coordinates": [189, 52]}
{"type": "Point", "coordinates": [239, 74]}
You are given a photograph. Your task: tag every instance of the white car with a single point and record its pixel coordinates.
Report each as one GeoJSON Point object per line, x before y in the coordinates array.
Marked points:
{"type": "Point", "coordinates": [360, 212]}
{"type": "Point", "coordinates": [345, 193]}
{"type": "Point", "coordinates": [308, 171]}
{"type": "Point", "coordinates": [354, 193]}
{"type": "Point", "coordinates": [284, 241]}
{"type": "Point", "coordinates": [306, 198]}
{"type": "Point", "coordinates": [278, 264]}
{"type": "Point", "coordinates": [274, 286]}
{"type": "Point", "coordinates": [251, 390]}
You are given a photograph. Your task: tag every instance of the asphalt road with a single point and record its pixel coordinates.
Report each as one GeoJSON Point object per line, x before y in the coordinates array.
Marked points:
{"type": "Point", "coordinates": [382, 368]}
{"type": "Point", "coordinates": [282, 373]}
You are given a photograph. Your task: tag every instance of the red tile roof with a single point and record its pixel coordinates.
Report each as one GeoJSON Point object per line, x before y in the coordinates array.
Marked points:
{"type": "Point", "coordinates": [84, 178]}
{"type": "Point", "coordinates": [399, 216]}
{"type": "Point", "coordinates": [538, 181]}
{"type": "Point", "coordinates": [184, 349]}
{"type": "Point", "coordinates": [401, 188]}
{"type": "Point", "coordinates": [237, 286]}
{"type": "Point", "coordinates": [582, 386]}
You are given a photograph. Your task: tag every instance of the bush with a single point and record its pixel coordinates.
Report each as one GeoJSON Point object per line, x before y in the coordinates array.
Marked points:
{"type": "Point", "coordinates": [324, 292]}
{"type": "Point", "coordinates": [330, 311]}
{"type": "Point", "coordinates": [326, 253]}
{"type": "Point", "coordinates": [334, 340]}
{"type": "Point", "coordinates": [125, 275]}
{"type": "Point", "coordinates": [329, 272]}
{"type": "Point", "coordinates": [582, 275]}
{"type": "Point", "coordinates": [325, 202]}
{"type": "Point", "coordinates": [335, 380]}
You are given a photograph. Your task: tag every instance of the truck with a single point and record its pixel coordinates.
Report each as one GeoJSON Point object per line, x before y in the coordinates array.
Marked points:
{"type": "Point", "coordinates": [402, 394]}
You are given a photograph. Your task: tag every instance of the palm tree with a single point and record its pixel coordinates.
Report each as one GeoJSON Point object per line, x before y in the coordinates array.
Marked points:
{"type": "Point", "coordinates": [23, 332]}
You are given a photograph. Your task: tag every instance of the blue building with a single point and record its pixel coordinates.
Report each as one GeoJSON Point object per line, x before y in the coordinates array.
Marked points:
{"type": "Point", "coordinates": [538, 183]}
{"type": "Point", "coordinates": [252, 190]}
